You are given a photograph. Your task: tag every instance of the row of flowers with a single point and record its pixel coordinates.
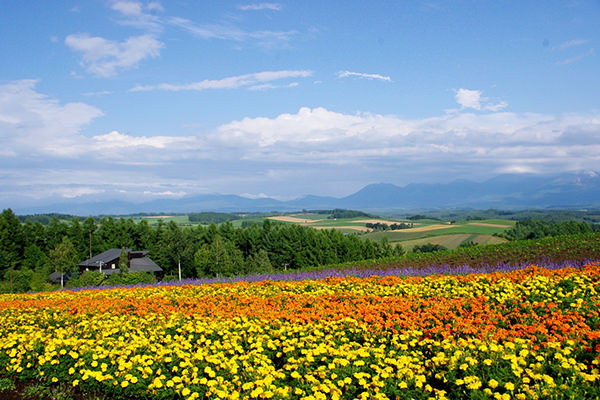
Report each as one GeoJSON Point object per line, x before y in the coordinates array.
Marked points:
{"type": "Point", "coordinates": [524, 334]}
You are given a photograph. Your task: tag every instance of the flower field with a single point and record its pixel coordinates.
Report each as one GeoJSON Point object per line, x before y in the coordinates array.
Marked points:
{"type": "Point", "coordinates": [529, 333]}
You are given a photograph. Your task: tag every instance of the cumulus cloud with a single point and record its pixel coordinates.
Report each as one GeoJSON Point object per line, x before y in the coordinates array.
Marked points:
{"type": "Point", "coordinates": [255, 81]}
{"type": "Point", "coordinates": [489, 141]}
{"type": "Point", "coordinates": [104, 58]}
{"type": "Point", "coordinates": [348, 74]}
{"type": "Point", "coordinates": [467, 98]}
{"type": "Point", "coordinates": [44, 137]}
{"type": "Point", "coordinates": [31, 122]}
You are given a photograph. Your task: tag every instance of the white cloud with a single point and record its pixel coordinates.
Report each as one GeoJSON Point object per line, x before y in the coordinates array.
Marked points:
{"type": "Point", "coordinates": [570, 43]}
{"type": "Point", "coordinates": [575, 59]}
{"type": "Point", "coordinates": [155, 6]}
{"type": "Point", "coordinates": [253, 81]}
{"type": "Point", "coordinates": [468, 98]}
{"type": "Point", "coordinates": [496, 107]}
{"type": "Point", "coordinates": [115, 140]}
{"type": "Point", "coordinates": [103, 57]}
{"type": "Point", "coordinates": [138, 15]}
{"type": "Point", "coordinates": [44, 150]}
{"type": "Point", "coordinates": [128, 7]}
{"type": "Point", "coordinates": [260, 6]}
{"type": "Point", "coordinates": [167, 193]}
{"type": "Point", "coordinates": [268, 86]}
{"type": "Point", "coordinates": [31, 122]}
{"type": "Point", "coordinates": [73, 192]}
{"type": "Point", "coordinates": [99, 93]}
{"type": "Point", "coordinates": [347, 74]}
{"type": "Point", "coordinates": [265, 38]}
{"type": "Point", "coordinates": [488, 141]}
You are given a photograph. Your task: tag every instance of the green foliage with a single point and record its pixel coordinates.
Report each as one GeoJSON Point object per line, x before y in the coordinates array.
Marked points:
{"type": "Point", "coordinates": [380, 226]}
{"type": "Point", "coordinates": [45, 219]}
{"type": "Point", "coordinates": [7, 384]}
{"type": "Point", "coordinates": [229, 250]}
{"type": "Point", "coordinates": [428, 248]}
{"type": "Point", "coordinates": [16, 281]}
{"type": "Point", "coordinates": [421, 216]}
{"type": "Point", "coordinates": [124, 261]}
{"type": "Point", "coordinates": [87, 278]}
{"type": "Point", "coordinates": [552, 249]}
{"type": "Point", "coordinates": [64, 257]}
{"type": "Point", "coordinates": [207, 218]}
{"type": "Point", "coordinates": [339, 213]}
{"type": "Point", "coordinates": [259, 263]}
{"type": "Point", "coordinates": [220, 258]}
{"type": "Point", "coordinates": [131, 278]}
{"type": "Point", "coordinates": [536, 228]}
{"type": "Point", "coordinates": [12, 241]}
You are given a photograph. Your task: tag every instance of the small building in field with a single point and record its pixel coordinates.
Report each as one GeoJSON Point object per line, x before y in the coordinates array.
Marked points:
{"type": "Point", "coordinates": [108, 262]}
{"type": "Point", "coordinates": [59, 277]}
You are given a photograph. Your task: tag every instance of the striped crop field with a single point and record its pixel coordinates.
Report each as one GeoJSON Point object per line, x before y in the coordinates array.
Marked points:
{"type": "Point", "coordinates": [521, 333]}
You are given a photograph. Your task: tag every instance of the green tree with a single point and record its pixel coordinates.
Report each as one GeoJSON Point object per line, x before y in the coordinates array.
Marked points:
{"type": "Point", "coordinates": [64, 258]}
{"type": "Point", "coordinates": [259, 263]}
{"type": "Point", "coordinates": [220, 258]}
{"type": "Point", "coordinates": [34, 257]}
{"type": "Point", "coordinates": [123, 261]}
{"type": "Point", "coordinates": [12, 241]}
{"type": "Point", "coordinates": [428, 248]}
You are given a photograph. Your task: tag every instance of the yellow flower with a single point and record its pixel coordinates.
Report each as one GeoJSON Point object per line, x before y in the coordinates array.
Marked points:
{"type": "Point", "coordinates": [509, 386]}
{"type": "Point", "coordinates": [493, 383]}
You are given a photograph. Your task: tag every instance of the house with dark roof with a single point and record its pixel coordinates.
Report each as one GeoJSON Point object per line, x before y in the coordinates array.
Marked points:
{"type": "Point", "coordinates": [108, 262]}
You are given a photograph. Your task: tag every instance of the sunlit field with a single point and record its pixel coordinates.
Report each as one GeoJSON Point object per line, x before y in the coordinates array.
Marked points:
{"type": "Point", "coordinates": [530, 333]}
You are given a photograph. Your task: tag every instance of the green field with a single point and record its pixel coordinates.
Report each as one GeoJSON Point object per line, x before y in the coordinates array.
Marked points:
{"type": "Point", "coordinates": [154, 220]}
{"type": "Point", "coordinates": [449, 235]}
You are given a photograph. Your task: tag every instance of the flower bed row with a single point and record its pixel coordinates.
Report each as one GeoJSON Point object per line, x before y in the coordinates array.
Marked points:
{"type": "Point", "coordinates": [524, 334]}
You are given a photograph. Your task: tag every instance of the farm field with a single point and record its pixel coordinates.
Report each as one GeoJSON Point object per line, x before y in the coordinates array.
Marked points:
{"type": "Point", "coordinates": [154, 219]}
{"type": "Point", "coordinates": [453, 241]}
{"type": "Point", "coordinates": [423, 231]}
{"type": "Point", "coordinates": [447, 235]}
{"type": "Point", "coordinates": [525, 333]}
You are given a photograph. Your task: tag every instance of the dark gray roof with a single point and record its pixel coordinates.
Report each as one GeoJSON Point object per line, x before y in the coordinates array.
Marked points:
{"type": "Point", "coordinates": [55, 276]}
{"type": "Point", "coordinates": [143, 264]}
{"type": "Point", "coordinates": [108, 257]}
{"type": "Point", "coordinates": [137, 261]}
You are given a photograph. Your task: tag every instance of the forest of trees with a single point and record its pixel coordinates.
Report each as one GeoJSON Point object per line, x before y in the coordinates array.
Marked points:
{"type": "Point", "coordinates": [30, 251]}
{"type": "Point", "coordinates": [536, 228]}
{"type": "Point", "coordinates": [381, 226]}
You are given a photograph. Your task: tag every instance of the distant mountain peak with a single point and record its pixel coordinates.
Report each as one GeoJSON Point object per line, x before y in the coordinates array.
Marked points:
{"type": "Point", "coordinates": [574, 189]}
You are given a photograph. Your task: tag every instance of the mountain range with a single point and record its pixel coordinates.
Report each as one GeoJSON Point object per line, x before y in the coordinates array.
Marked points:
{"type": "Point", "coordinates": [509, 191]}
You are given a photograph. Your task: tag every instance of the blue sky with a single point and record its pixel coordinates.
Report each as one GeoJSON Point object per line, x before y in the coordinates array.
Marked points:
{"type": "Point", "coordinates": [141, 100]}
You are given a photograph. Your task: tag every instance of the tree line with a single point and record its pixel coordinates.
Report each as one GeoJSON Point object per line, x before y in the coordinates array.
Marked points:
{"type": "Point", "coordinates": [30, 251]}
{"type": "Point", "coordinates": [537, 228]}
{"type": "Point", "coordinates": [382, 226]}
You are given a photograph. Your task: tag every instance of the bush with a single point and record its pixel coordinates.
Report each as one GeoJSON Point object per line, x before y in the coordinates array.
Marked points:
{"type": "Point", "coordinates": [428, 248]}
